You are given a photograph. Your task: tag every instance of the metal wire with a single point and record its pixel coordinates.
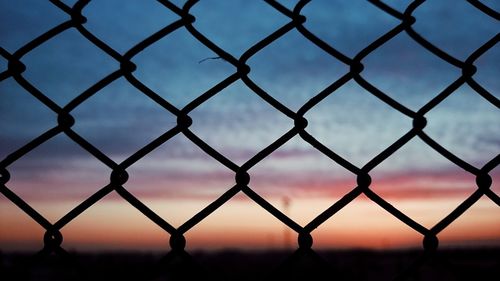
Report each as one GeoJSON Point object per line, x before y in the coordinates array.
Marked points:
{"type": "Point", "coordinates": [54, 235]}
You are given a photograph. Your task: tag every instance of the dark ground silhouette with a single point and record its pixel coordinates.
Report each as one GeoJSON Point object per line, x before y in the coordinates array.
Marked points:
{"type": "Point", "coordinates": [446, 264]}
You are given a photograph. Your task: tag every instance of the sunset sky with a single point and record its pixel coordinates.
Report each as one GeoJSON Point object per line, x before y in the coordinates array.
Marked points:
{"type": "Point", "coordinates": [178, 179]}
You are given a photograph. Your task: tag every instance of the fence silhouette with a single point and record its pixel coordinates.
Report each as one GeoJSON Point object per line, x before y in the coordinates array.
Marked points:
{"type": "Point", "coordinates": [53, 237]}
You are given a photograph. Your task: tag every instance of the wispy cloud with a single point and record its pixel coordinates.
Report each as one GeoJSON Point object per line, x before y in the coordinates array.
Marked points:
{"type": "Point", "coordinates": [119, 119]}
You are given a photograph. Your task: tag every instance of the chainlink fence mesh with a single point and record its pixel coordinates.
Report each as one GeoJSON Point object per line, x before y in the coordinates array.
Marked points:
{"type": "Point", "coordinates": [178, 258]}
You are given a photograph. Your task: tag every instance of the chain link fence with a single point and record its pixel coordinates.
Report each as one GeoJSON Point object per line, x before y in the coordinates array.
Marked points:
{"type": "Point", "coordinates": [178, 259]}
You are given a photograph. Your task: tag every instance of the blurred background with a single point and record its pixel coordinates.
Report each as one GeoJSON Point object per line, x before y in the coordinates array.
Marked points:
{"type": "Point", "coordinates": [178, 179]}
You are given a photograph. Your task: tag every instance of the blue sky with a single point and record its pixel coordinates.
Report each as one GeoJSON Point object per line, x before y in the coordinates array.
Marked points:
{"type": "Point", "coordinates": [119, 120]}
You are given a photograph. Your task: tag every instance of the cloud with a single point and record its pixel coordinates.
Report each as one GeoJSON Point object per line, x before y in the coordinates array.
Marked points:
{"type": "Point", "coordinates": [119, 119]}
